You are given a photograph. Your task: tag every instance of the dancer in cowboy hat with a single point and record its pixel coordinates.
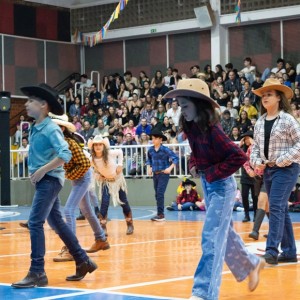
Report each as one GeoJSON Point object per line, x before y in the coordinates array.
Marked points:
{"type": "Point", "coordinates": [277, 151]}
{"type": "Point", "coordinates": [108, 167]}
{"type": "Point", "coordinates": [215, 158]}
{"type": "Point", "coordinates": [159, 166]}
{"type": "Point", "coordinates": [47, 154]}
{"type": "Point", "coordinates": [79, 171]}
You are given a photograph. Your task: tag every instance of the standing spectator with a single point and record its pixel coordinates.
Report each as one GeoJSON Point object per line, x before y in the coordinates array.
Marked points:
{"type": "Point", "coordinates": [23, 156]}
{"type": "Point", "coordinates": [277, 151]}
{"type": "Point", "coordinates": [159, 166]}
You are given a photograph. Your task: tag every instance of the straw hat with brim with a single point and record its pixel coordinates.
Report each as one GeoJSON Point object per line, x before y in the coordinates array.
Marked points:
{"type": "Point", "coordinates": [47, 93]}
{"type": "Point", "coordinates": [158, 133]}
{"type": "Point", "coordinates": [192, 87]}
{"type": "Point", "coordinates": [188, 182]}
{"type": "Point", "coordinates": [274, 84]}
{"type": "Point", "coordinates": [98, 139]}
{"type": "Point", "coordinates": [248, 133]}
{"type": "Point", "coordinates": [62, 121]}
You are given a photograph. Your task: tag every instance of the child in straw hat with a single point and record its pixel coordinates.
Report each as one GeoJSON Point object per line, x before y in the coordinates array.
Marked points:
{"type": "Point", "coordinates": [215, 158]}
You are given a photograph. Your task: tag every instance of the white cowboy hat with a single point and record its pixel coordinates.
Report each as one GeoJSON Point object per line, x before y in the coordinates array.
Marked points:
{"type": "Point", "coordinates": [192, 87]}
{"type": "Point", "coordinates": [274, 84]}
{"type": "Point", "coordinates": [98, 139]}
{"type": "Point", "coordinates": [62, 120]}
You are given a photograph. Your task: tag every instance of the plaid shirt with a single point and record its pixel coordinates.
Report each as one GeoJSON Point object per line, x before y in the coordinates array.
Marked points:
{"type": "Point", "coordinates": [284, 145]}
{"type": "Point", "coordinates": [79, 163]}
{"type": "Point", "coordinates": [214, 154]}
{"type": "Point", "coordinates": [160, 160]}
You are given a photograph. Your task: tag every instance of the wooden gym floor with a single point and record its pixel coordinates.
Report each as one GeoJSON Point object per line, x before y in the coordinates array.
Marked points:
{"type": "Point", "coordinates": [156, 262]}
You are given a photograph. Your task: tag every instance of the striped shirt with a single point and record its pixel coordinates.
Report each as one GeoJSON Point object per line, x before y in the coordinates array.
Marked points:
{"type": "Point", "coordinates": [284, 145]}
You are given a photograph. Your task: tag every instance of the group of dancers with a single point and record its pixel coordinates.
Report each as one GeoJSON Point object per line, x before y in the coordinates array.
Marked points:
{"type": "Point", "coordinates": [215, 158]}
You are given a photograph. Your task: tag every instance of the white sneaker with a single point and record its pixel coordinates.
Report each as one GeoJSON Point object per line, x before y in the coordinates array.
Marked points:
{"type": "Point", "coordinates": [195, 298]}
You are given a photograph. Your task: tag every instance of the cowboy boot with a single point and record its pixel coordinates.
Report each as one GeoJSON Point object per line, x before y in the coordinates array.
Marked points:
{"type": "Point", "coordinates": [129, 222]}
{"type": "Point", "coordinates": [260, 214]}
{"type": "Point", "coordinates": [103, 221]}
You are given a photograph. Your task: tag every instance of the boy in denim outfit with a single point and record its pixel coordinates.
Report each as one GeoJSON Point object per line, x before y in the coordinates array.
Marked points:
{"type": "Point", "coordinates": [47, 154]}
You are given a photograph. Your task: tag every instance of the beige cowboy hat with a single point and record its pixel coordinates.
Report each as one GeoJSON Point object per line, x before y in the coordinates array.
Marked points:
{"type": "Point", "coordinates": [192, 87]}
{"type": "Point", "coordinates": [62, 120]}
{"type": "Point", "coordinates": [274, 84]}
{"type": "Point", "coordinates": [98, 139]}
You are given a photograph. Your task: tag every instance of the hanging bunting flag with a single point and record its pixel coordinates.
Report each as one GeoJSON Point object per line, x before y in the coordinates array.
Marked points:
{"type": "Point", "coordinates": [238, 12]}
{"type": "Point", "coordinates": [92, 40]}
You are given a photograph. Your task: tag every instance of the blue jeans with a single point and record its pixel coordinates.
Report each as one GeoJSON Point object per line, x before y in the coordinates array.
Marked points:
{"type": "Point", "coordinates": [46, 205]}
{"type": "Point", "coordinates": [79, 195]}
{"type": "Point", "coordinates": [160, 182]}
{"type": "Point", "coordinates": [105, 202]}
{"type": "Point", "coordinates": [220, 241]}
{"type": "Point", "coordinates": [185, 206]}
{"type": "Point", "coordinates": [279, 183]}
{"type": "Point", "coordinates": [94, 199]}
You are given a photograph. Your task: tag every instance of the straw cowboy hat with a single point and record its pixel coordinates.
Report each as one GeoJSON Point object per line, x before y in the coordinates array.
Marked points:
{"type": "Point", "coordinates": [274, 84]}
{"type": "Point", "coordinates": [47, 93]}
{"type": "Point", "coordinates": [192, 87]}
{"type": "Point", "coordinates": [62, 120]}
{"type": "Point", "coordinates": [98, 139]}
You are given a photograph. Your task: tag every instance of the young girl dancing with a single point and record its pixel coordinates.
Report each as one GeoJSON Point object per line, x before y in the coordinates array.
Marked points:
{"type": "Point", "coordinates": [215, 158]}
{"type": "Point", "coordinates": [109, 177]}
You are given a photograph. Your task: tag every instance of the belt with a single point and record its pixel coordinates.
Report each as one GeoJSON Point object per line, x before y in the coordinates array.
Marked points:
{"type": "Point", "coordinates": [110, 179]}
{"type": "Point", "coordinates": [159, 172]}
{"type": "Point", "coordinates": [270, 164]}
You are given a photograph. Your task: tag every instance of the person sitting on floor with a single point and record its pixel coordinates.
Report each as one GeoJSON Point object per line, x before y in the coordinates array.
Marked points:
{"type": "Point", "coordinates": [188, 199]}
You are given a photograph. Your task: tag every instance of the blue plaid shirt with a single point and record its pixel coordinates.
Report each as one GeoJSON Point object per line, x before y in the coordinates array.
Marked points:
{"type": "Point", "coordinates": [160, 160]}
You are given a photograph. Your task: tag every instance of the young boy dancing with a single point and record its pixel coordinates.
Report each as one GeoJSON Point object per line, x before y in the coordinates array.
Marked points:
{"type": "Point", "coordinates": [159, 158]}
{"type": "Point", "coordinates": [48, 152]}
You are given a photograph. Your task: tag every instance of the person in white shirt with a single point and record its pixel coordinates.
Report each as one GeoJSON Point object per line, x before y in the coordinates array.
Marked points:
{"type": "Point", "coordinates": [23, 156]}
{"type": "Point", "coordinates": [108, 167]}
{"type": "Point", "coordinates": [249, 71]}
{"type": "Point", "coordinates": [174, 112]}
{"type": "Point", "coordinates": [167, 78]}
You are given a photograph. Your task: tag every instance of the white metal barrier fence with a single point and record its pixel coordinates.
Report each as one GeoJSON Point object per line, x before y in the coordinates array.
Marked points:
{"type": "Point", "coordinates": [135, 157]}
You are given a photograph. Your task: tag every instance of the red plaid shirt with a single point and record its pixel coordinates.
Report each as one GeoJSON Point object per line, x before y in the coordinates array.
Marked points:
{"type": "Point", "coordinates": [214, 153]}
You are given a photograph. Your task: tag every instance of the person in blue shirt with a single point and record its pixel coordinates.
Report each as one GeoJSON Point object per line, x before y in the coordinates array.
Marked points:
{"type": "Point", "coordinates": [159, 157]}
{"type": "Point", "coordinates": [47, 153]}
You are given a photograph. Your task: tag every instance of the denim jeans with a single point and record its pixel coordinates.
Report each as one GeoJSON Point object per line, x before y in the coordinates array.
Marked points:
{"type": "Point", "coordinates": [79, 196]}
{"type": "Point", "coordinates": [105, 202]}
{"type": "Point", "coordinates": [220, 241]}
{"type": "Point", "coordinates": [279, 183]}
{"type": "Point", "coordinates": [46, 205]}
{"type": "Point", "coordinates": [160, 182]}
{"type": "Point", "coordinates": [93, 198]}
{"type": "Point", "coordinates": [185, 206]}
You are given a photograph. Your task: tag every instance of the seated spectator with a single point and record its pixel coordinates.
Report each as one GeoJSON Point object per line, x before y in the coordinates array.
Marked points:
{"type": "Point", "coordinates": [94, 93]}
{"type": "Point", "coordinates": [115, 128]}
{"type": "Point", "coordinates": [227, 122]}
{"type": "Point", "coordinates": [123, 93]}
{"type": "Point", "coordinates": [130, 79]}
{"type": "Point", "coordinates": [155, 124]}
{"type": "Point", "coordinates": [233, 112]}
{"type": "Point", "coordinates": [75, 108]}
{"type": "Point", "coordinates": [257, 83]}
{"type": "Point", "coordinates": [250, 109]}
{"type": "Point", "coordinates": [134, 102]}
{"type": "Point", "coordinates": [244, 123]}
{"type": "Point", "coordinates": [87, 131]}
{"type": "Point", "coordinates": [247, 92]}
{"type": "Point", "coordinates": [85, 85]}
{"type": "Point", "coordinates": [253, 122]}
{"type": "Point", "coordinates": [135, 116]}
{"type": "Point", "coordinates": [221, 96]}
{"type": "Point", "coordinates": [219, 72]}
{"type": "Point", "coordinates": [22, 130]}
{"type": "Point", "coordinates": [112, 102]}
{"type": "Point", "coordinates": [23, 156]}
{"type": "Point", "coordinates": [119, 139]}
{"type": "Point", "coordinates": [290, 71]}
{"type": "Point", "coordinates": [91, 118]}
{"type": "Point", "coordinates": [280, 67]}
{"type": "Point", "coordinates": [148, 113]}
{"type": "Point", "coordinates": [158, 84]}
{"type": "Point", "coordinates": [130, 128]}
{"type": "Point", "coordinates": [143, 78]}
{"type": "Point", "coordinates": [232, 84]}
{"type": "Point", "coordinates": [101, 128]}
{"type": "Point", "coordinates": [95, 105]}
{"type": "Point", "coordinates": [77, 124]}
{"type": "Point", "coordinates": [143, 127]}
{"type": "Point", "coordinates": [286, 80]}
{"type": "Point", "coordinates": [188, 199]}
{"type": "Point", "coordinates": [168, 126]}
{"type": "Point", "coordinates": [295, 110]}
{"type": "Point", "coordinates": [132, 89]}
{"type": "Point", "coordinates": [235, 100]}
{"type": "Point", "coordinates": [235, 135]}
{"type": "Point", "coordinates": [249, 70]}
{"type": "Point", "coordinates": [111, 115]}
{"type": "Point", "coordinates": [125, 116]}
{"type": "Point", "coordinates": [209, 75]}
{"type": "Point", "coordinates": [174, 112]}
{"type": "Point", "coordinates": [216, 83]}
{"type": "Point", "coordinates": [85, 107]}
{"type": "Point", "coordinates": [160, 113]}
{"type": "Point", "coordinates": [296, 97]}
{"type": "Point", "coordinates": [146, 90]}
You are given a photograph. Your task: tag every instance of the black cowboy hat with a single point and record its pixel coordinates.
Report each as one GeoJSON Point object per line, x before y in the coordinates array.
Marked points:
{"type": "Point", "coordinates": [248, 133]}
{"type": "Point", "coordinates": [158, 133]}
{"type": "Point", "coordinates": [47, 93]}
{"type": "Point", "coordinates": [187, 182]}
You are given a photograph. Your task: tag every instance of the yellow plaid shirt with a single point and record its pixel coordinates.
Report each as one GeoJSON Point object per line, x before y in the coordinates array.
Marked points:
{"type": "Point", "coordinates": [79, 163]}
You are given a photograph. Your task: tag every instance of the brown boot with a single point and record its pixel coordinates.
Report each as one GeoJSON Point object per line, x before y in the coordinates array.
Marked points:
{"type": "Point", "coordinates": [64, 255]}
{"type": "Point", "coordinates": [99, 245]}
{"type": "Point", "coordinates": [129, 223]}
{"type": "Point", "coordinates": [103, 221]}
